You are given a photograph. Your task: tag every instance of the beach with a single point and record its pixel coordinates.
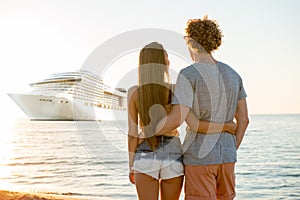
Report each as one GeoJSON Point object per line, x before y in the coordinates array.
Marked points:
{"type": "Point", "coordinates": [9, 195]}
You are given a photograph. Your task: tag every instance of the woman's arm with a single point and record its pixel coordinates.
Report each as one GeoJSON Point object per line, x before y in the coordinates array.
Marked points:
{"type": "Point", "coordinates": [208, 127]}
{"type": "Point", "coordinates": [133, 138]}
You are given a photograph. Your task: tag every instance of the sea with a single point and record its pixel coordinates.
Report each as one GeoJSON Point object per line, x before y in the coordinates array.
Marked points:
{"type": "Point", "coordinates": [89, 159]}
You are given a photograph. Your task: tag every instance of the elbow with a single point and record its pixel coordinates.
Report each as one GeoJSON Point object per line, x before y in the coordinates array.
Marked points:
{"type": "Point", "coordinates": [177, 123]}
{"type": "Point", "coordinates": [174, 121]}
{"type": "Point", "coordinates": [245, 121]}
{"type": "Point", "coordinates": [131, 136]}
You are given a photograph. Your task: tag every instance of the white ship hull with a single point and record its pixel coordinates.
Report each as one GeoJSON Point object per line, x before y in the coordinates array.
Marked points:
{"type": "Point", "coordinates": [41, 107]}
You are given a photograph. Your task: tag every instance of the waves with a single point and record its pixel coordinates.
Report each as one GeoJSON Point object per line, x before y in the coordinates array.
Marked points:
{"type": "Point", "coordinates": [268, 160]}
{"type": "Point", "coordinates": [91, 161]}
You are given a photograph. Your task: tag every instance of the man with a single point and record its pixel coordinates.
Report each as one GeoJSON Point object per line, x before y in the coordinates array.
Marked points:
{"type": "Point", "coordinates": [214, 92]}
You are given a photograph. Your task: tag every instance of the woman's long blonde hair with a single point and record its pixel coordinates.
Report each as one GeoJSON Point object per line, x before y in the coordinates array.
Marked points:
{"type": "Point", "coordinates": [153, 90]}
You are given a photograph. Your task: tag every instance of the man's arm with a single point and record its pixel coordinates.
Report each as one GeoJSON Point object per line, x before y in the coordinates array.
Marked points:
{"type": "Point", "coordinates": [242, 121]}
{"type": "Point", "coordinates": [172, 120]}
{"type": "Point", "coordinates": [208, 127]}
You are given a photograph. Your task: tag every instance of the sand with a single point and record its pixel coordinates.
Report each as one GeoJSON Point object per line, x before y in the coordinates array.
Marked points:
{"type": "Point", "coordinates": [8, 195]}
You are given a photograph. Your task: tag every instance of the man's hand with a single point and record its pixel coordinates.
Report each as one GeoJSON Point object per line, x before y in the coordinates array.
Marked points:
{"type": "Point", "coordinates": [230, 127]}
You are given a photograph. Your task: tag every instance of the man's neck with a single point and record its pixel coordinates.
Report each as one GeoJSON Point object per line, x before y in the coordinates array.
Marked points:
{"type": "Point", "coordinates": [204, 58]}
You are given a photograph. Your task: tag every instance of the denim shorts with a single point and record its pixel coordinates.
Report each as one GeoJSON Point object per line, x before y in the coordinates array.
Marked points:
{"type": "Point", "coordinates": [163, 163]}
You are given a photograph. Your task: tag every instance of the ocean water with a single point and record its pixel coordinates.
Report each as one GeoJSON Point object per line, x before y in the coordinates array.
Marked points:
{"type": "Point", "coordinates": [89, 159]}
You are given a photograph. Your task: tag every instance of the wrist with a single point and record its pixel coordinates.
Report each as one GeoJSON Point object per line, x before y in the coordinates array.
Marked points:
{"type": "Point", "coordinates": [131, 170]}
{"type": "Point", "coordinates": [225, 127]}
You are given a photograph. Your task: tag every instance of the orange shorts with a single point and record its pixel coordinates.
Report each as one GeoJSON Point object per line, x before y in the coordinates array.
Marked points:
{"type": "Point", "coordinates": [210, 182]}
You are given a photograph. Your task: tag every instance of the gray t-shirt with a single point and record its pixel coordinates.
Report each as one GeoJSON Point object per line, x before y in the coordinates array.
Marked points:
{"type": "Point", "coordinates": [212, 91]}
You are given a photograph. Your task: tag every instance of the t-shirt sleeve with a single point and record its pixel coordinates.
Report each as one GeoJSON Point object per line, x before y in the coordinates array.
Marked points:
{"type": "Point", "coordinates": [184, 92]}
{"type": "Point", "coordinates": [242, 93]}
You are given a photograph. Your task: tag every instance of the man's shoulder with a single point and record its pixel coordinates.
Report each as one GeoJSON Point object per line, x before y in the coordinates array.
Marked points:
{"type": "Point", "coordinates": [225, 68]}
{"type": "Point", "coordinates": [187, 70]}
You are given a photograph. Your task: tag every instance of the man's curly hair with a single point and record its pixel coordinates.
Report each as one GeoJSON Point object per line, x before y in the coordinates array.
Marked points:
{"type": "Point", "coordinates": [203, 35]}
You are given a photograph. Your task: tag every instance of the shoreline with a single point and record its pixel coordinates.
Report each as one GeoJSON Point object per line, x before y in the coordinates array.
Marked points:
{"type": "Point", "coordinates": [14, 195]}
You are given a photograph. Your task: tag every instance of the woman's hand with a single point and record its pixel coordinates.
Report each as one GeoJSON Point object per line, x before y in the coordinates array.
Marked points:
{"type": "Point", "coordinates": [230, 127]}
{"type": "Point", "coordinates": [131, 177]}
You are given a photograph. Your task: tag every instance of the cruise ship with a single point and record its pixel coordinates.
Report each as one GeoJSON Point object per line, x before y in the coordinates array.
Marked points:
{"type": "Point", "coordinates": [79, 95]}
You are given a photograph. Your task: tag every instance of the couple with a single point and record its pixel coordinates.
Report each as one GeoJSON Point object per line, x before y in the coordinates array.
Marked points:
{"type": "Point", "coordinates": [208, 95]}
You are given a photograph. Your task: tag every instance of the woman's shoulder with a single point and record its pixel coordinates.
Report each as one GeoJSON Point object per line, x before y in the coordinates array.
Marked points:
{"type": "Point", "coordinates": [132, 92]}
{"type": "Point", "coordinates": [133, 88]}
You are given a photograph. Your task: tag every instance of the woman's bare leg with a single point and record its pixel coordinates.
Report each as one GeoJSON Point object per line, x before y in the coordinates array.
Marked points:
{"type": "Point", "coordinates": [147, 187]}
{"type": "Point", "coordinates": [171, 188]}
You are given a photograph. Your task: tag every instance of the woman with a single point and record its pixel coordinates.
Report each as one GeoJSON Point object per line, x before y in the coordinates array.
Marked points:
{"type": "Point", "coordinates": [155, 162]}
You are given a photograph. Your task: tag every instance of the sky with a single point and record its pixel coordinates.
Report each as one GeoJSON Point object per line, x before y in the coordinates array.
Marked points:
{"type": "Point", "coordinates": [261, 42]}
